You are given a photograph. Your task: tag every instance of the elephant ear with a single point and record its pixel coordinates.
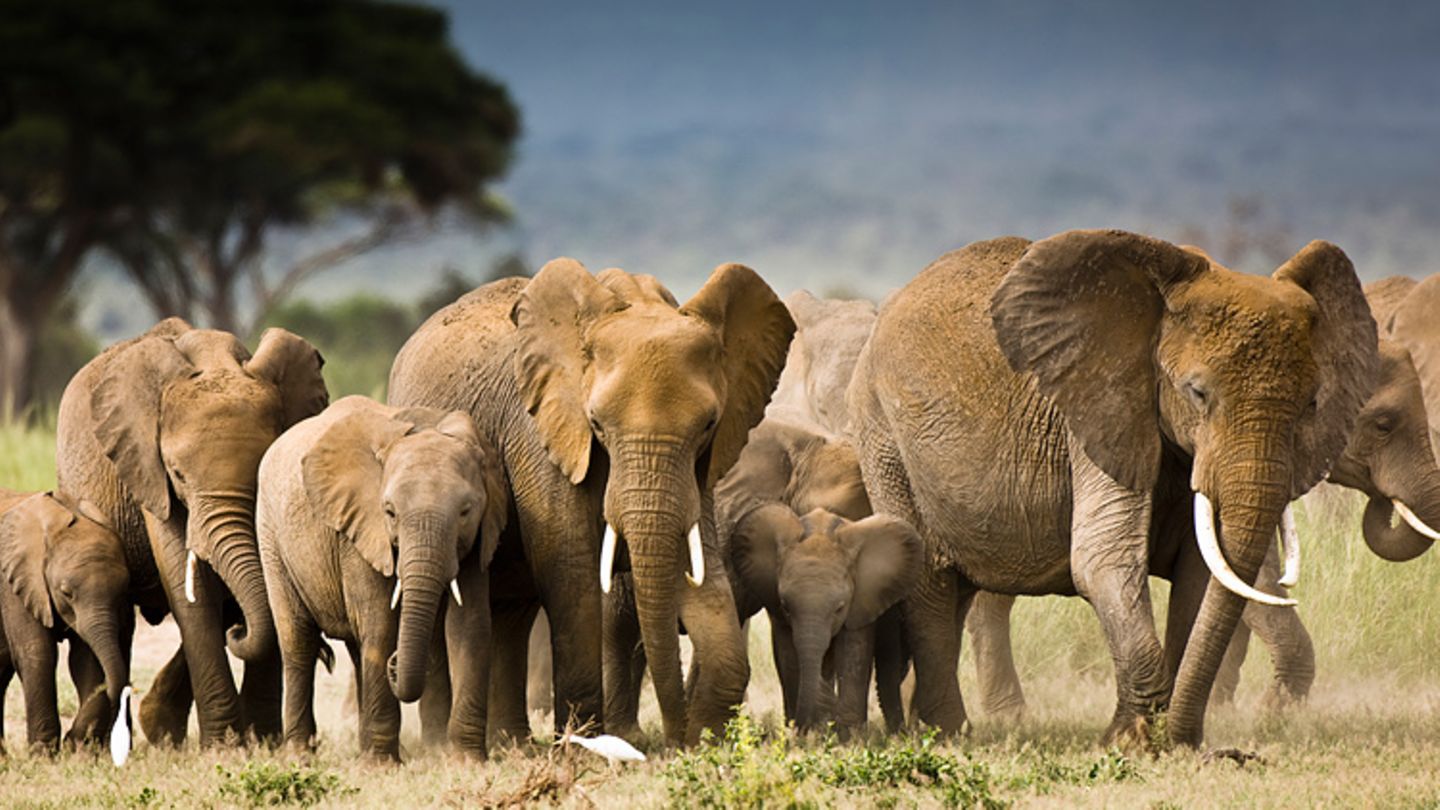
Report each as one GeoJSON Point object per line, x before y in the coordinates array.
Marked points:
{"type": "Point", "coordinates": [125, 404]}
{"type": "Point", "coordinates": [1346, 352]}
{"type": "Point", "coordinates": [1417, 328]}
{"type": "Point", "coordinates": [552, 317]}
{"type": "Point", "coordinates": [759, 476]}
{"type": "Point", "coordinates": [1385, 297]}
{"type": "Point", "coordinates": [288, 362]}
{"type": "Point", "coordinates": [1082, 312]}
{"type": "Point", "coordinates": [25, 534]}
{"type": "Point", "coordinates": [760, 540]}
{"type": "Point", "coordinates": [888, 556]}
{"type": "Point", "coordinates": [343, 474]}
{"type": "Point", "coordinates": [459, 425]}
{"type": "Point", "coordinates": [755, 331]}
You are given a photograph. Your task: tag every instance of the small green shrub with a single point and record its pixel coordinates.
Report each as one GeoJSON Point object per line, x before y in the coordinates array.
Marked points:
{"type": "Point", "coordinates": [266, 784]}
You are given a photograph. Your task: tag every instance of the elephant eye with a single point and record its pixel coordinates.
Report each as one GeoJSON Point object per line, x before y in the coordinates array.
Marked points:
{"type": "Point", "coordinates": [1196, 394]}
{"type": "Point", "coordinates": [709, 426]}
{"type": "Point", "coordinates": [595, 426]}
{"type": "Point", "coordinates": [1384, 424]}
{"type": "Point", "coordinates": [179, 476]}
{"type": "Point", "coordinates": [466, 509]}
{"type": "Point", "coordinates": [390, 511]}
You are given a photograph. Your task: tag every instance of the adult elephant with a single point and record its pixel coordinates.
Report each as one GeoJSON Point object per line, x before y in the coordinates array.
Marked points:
{"type": "Point", "coordinates": [163, 435]}
{"type": "Point", "coordinates": [615, 411]}
{"type": "Point", "coordinates": [1056, 417]}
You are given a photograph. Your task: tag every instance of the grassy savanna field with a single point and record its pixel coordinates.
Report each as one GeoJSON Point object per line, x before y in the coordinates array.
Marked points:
{"type": "Point", "coordinates": [1368, 736]}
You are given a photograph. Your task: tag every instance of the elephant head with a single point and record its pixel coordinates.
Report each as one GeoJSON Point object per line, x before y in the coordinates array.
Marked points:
{"type": "Point", "coordinates": [58, 561]}
{"type": "Point", "coordinates": [413, 489]}
{"type": "Point", "coordinates": [823, 573]}
{"type": "Point", "coordinates": [668, 393]}
{"type": "Point", "coordinates": [829, 336]}
{"type": "Point", "coordinates": [1257, 381]}
{"type": "Point", "coordinates": [186, 415]}
{"type": "Point", "coordinates": [1392, 454]}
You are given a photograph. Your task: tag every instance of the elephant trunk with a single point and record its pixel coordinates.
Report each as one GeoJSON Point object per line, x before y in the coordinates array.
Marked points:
{"type": "Point", "coordinates": [655, 562]}
{"type": "Point", "coordinates": [1248, 512]}
{"type": "Point", "coordinates": [424, 572]}
{"type": "Point", "coordinates": [228, 523]}
{"type": "Point", "coordinates": [1411, 532]}
{"type": "Point", "coordinates": [102, 634]}
{"type": "Point", "coordinates": [810, 647]}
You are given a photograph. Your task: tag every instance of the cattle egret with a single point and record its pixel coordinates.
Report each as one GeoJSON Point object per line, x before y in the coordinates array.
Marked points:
{"type": "Point", "coordinates": [609, 746]}
{"type": "Point", "coordinates": [120, 732]}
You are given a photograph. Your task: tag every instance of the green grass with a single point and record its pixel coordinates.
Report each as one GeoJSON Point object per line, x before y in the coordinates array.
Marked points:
{"type": "Point", "coordinates": [1369, 735]}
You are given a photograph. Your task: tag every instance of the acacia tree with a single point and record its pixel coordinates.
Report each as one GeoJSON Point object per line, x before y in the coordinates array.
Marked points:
{"type": "Point", "coordinates": [178, 135]}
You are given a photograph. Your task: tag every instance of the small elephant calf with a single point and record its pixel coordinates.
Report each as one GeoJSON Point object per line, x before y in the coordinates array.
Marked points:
{"type": "Point", "coordinates": [65, 577]}
{"type": "Point", "coordinates": [366, 508]}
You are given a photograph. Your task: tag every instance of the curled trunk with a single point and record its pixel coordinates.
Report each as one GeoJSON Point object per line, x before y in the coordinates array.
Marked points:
{"type": "Point", "coordinates": [1393, 538]}
{"type": "Point", "coordinates": [229, 524]}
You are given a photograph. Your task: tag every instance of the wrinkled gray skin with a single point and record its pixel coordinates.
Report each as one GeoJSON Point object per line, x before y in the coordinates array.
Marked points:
{"type": "Point", "coordinates": [609, 403]}
{"type": "Point", "coordinates": [163, 435]}
{"type": "Point", "coordinates": [801, 543]}
{"type": "Point", "coordinates": [1116, 373]}
{"type": "Point", "coordinates": [352, 503]}
{"type": "Point", "coordinates": [64, 578]}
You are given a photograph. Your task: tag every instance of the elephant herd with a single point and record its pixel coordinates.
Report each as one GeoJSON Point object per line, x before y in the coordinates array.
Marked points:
{"type": "Point", "coordinates": [1069, 416]}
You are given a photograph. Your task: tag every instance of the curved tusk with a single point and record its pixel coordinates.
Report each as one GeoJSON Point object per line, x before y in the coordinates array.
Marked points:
{"type": "Point", "coordinates": [1215, 560]}
{"type": "Point", "coordinates": [190, 578]}
{"type": "Point", "coordinates": [697, 558]}
{"type": "Point", "coordinates": [120, 731]}
{"type": "Point", "coordinates": [1290, 544]}
{"type": "Point", "coordinates": [607, 558]}
{"type": "Point", "coordinates": [395, 597]}
{"type": "Point", "coordinates": [455, 592]}
{"type": "Point", "coordinates": [1415, 522]}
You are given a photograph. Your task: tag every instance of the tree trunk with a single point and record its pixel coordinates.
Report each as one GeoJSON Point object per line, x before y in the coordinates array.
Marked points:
{"type": "Point", "coordinates": [19, 333]}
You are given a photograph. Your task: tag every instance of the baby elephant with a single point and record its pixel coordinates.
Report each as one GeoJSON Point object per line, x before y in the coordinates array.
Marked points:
{"type": "Point", "coordinates": [364, 508]}
{"type": "Point", "coordinates": [66, 578]}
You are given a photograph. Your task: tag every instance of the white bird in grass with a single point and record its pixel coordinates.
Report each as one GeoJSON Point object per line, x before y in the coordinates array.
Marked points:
{"type": "Point", "coordinates": [609, 746]}
{"type": "Point", "coordinates": [120, 732]}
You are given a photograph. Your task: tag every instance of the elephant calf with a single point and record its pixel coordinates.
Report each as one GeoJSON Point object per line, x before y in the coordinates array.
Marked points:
{"type": "Point", "coordinates": [365, 508]}
{"type": "Point", "coordinates": [59, 564]}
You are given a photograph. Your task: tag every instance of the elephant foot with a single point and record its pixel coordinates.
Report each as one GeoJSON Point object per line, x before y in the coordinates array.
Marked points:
{"type": "Point", "coordinates": [1133, 734]}
{"type": "Point", "coordinates": [92, 722]}
{"type": "Point", "coordinates": [163, 724]}
{"type": "Point", "coordinates": [1005, 710]}
{"type": "Point", "coordinates": [1278, 699]}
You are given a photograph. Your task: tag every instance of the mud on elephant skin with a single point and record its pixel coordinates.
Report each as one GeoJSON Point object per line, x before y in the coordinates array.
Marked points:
{"type": "Point", "coordinates": [163, 435]}
{"type": "Point", "coordinates": [614, 407]}
{"type": "Point", "coordinates": [1044, 413]}
{"type": "Point", "coordinates": [370, 519]}
{"type": "Point", "coordinates": [65, 577]}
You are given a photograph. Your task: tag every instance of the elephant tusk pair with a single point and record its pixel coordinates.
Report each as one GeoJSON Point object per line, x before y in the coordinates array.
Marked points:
{"type": "Point", "coordinates": [1290, 545]}
{"type": "Point", "coordinates": [1215, 560]}
{"type": "Point", "coordinates": [454, 591]}
{"type": "Point", "coordinates": [607, 558]}
{"type": "Point", "coordinates": [1414, 520]}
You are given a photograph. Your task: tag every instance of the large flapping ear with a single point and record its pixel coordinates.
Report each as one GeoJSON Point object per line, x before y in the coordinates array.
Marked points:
{"type": "Point", "coordinates": [343, 475]}
{"type": "Point", "coordinates": [552, 317]}
{"type": "Point", "coordinates": [125, 404]}
{"type": "Point", "coordinates": [755, 329]}
{"type": "Point", "coordinates": [760, 540]}
{"type": "Point", "coordinates": [459, 425]}
{"type": "Point", "coordinates": [1346, 352]}
{"type": "Point", "coordinates": [26, 530]}
{"type": "Point", "coordinates": [288, 362]}
{"type": "Point", "coordinates": [888, 556]}
{"type": "Point", "coordinates": [1384, 297]}
{"type": "Point", "coordinates": [1417, 328]}
{"type": "Point", "coordinates": [1082, 312]}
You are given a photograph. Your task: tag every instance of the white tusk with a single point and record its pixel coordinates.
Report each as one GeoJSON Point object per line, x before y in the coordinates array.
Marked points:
{"type": "Point", "coordinates": [697, 559]}
{"type": "Point", "coordinates": [120, 732]}
{"type": "Point", "coordinates": [190, 578]}
{"type": "Point", "coordinates": [1290, 544]}
{"type": "Point", "coordinates": [1215, 560]}
{"type": "Point", "coordinates": [455, 592]}
{"type": "Point", "coordinates": [607, 558]}
{"type": "Point", "coordinates": [395, 597]}
{"type": "Point", "coordinates": [1415, 522]}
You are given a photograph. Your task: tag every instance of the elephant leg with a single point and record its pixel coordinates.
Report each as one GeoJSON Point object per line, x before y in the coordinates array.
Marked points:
{"type": "Point", "coordinates": [357, 689]}
{"type": "Point", "coordinates": [573, 605]}
{"type": "Point", "coordinates": [202, 634]}
{"type": "Point", "coordinates": [510, 623]}
{"type": "Point", "coordinates": [299, 641]}
{"type": "Point", "coordinates": [1291, 651]}
{"type": "Point", "coordinates": [468, 637]}
{"type": "Point", "coordinates": [622, 681]}
{"type": "Point", "coordinates": [989, 626]}
{"type": "Point", "coordinates": [436, 700]}
{"type": "Point", "coordinates": [165, 709]}
{"type": "Point", "coordinates": [854, 652]}
{"type": "Point", "coordinates": [540, 688]}
{"type": "Point", "coordinates": [378, 704]}
{"type": "Point", "coordinates": [260, 695]}
{"type": "Point", "coordinates": [932, 615]}
{"type": "Point", "coordinates": [7, 672]}
{"type": "Point", "coordinates": [1188, 582]}
{"type": "Point", "coordinates": [36, 659]}
{"type": "Point", "coordinates": [94, 715]}
{"type": "Point", "coordinates": [1227, 680]}
{"type": "Point", "coordinates": [787, 664]}
{"type": "Point", "coordinates": [1109, 560]}
{"type": "Point", "coordinates": [721, 662]}
{"type": "Point", "coordinates": [892, 662]}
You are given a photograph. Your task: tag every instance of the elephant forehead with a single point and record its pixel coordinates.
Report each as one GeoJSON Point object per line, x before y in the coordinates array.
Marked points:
{"type": "Point", "coordinates": [428, 453]}
{"type": "Point", "coordinates": [652, 333]}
